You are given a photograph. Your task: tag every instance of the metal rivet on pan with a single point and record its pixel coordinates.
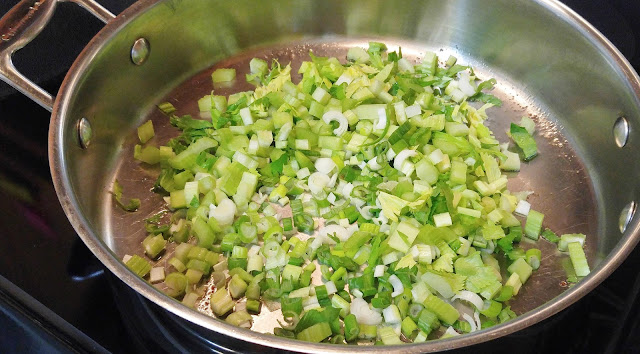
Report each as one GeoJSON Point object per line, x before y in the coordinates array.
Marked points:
{"type": "Point", "coordinates": [85, 133]}
{"type": "Point", "coordinates": [626, 215]}
{"type": "Point", "coordinates": [140, 51]}
{"type": "Point", "coordinates": [621, 131]}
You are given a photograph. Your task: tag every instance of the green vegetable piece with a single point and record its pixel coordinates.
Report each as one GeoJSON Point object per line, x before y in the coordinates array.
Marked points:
{"type": "Point", "coordinates": [145, 131]}
{"type": "Point", "coordinates": [133, 203]}
{"type": "Point", "coordinates": [223, 75]}
{"type": "Point", "coordinates": [525, 141]}
{"type": "Point", "coordinates": [138, 265]}
{"type": "Point", "coordinates": [315, 333]}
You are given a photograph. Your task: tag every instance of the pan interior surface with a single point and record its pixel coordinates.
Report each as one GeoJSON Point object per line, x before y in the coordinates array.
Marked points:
{"type": "Point", "coordinates": [558, 178]}
{"type": "Point", "coordinates": [549, 66]}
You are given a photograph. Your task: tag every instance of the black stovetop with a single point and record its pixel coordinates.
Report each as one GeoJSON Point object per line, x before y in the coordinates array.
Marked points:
{"type": "Point", "coordinates": [53, 297]}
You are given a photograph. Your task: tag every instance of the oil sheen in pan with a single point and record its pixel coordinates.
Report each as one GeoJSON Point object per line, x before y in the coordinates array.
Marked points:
{"type": "Point", "coordinates": [561, 186]}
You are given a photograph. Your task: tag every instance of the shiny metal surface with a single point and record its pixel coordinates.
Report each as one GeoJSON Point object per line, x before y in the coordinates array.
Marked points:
{"type": "Point", "coordinates": [549, 63]}
{"type": "Point", "coordinates": [85, 132]}
{"type": "Point", "coordinates": [621, 131]}
{"type": "Point", "coordinates": [626, 215]}
{"type": "Point", "coordinates": [19, 27]}
{"type": "Point", "coordinates": [140, 51]}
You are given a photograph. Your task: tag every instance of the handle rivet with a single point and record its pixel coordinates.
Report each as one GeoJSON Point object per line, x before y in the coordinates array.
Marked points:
{"type": "Point", "coordinates": [85, 132]}
{"type": "Point", "coordinates": [621, 131]}
{"type": "Point", "coordinates": [626, 215]}
{"type": "Point", "coordinates": [140, 51]}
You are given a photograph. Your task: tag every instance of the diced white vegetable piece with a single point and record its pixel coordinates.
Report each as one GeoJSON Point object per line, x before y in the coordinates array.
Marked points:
{"type": "Point", "coordinates": [483, 188]}
{"type": "Point", "coordinates": [495, 215]}
{"type": "Point", "coordinates": [245, 114]}
{"type": "Point", "coordinates": [471, 322]}
{"type": "Point", "coordinates": [317, 181]}
{"type": "Point", "coordinates": [310, 300]}
{"type": "Point", "coordinates": [224, 212]}
{"type": "Point", "coordinates": [364, 314]}
{"type": "Point", "coordinates": [457, 95]}
{"type": "Point", "coordinates": [346, 191]}
{"type": "Point", "coordinates": [398, 288]}
{"type": "Point", "coordinates": [405, 65]}
{"type": "Point", "coordinates": [321, 95]}
{"type": "Point", "coordinates": [312, 307]}
{"type": "Point", "coordinates": [337, 230]}
{"type": "Point", "coordinates": [465, 84]}
{"type": "Point", "coordinates": [442, 219]}
{"type": "Point", "coordinates": [523, 208]}
{"type": "Point", "coordinates": [255, 249]}
{"type": "Point", "coordinates": [399, 160]}
{"type": "Point", "coordinates": [265, 138]}
{"type": "Point", "coordinates": [302, 144]}
{"type": "Point", "coordinates": [325, 165]}
{"type": "Point", "coordinates": [283, 201]}
{"type": "Point", "coordinates": [126, 258]}
{"type": "Point", "coordinates": [201, 175]}
{"type": "Point", "coordinates": [178, 226]}
{"type": "Point", "coordinates": [302, 292]}
{"type": "Point", "coordinates": [389, 258]}
{"type": "Point", "coordinates": [399, 108]}
{"type": "Point", "coordinates": [373, 164]}
{"type": "Point", "coordinates": [391, 314]}
{"type": "Point", "coordinates": [413, 110]}
{"type": "Point", "coordinates": [470, 297]}
{"type": "Point", "coordinates": [470, 161]}
{"type": "Point", "coordinates": [331, 287]}
{"type": "Point", "coordinates": [156, 275]}
{"type": "Point", "coordinates": [420, 292]}
{"type": "Point", "coordinates": [379, 270]}
{"type": "Point", "coordinates": [246, 160]}
{"type": "Point", "coordinates": [303, 173]}
{"type": "Point", "coordinates": [515, 282]}
{"type": "Point", "coordinates": [345, 77]}
{"type": "Point", "coordinates": [390, 154]}
{"type": "Point", "coordinates": [381, 122]}
{"type": "Point", "coordinates": [402, 243]}
{"type": "Point", "coordinates": [436, 156]}
{"type": "Point", "coordinates": [499, 184]}
{"type": "Point", "coordinates": [190, 191]}
{"type": "Point", "coordinates": [254, 145]}
{"type": "Point", "coordinates": [421, 187]}
{"type": "Point", "coordinates": [336, 116]}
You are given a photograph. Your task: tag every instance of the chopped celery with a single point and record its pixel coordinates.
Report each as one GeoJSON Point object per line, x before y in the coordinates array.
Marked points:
{"type": "Point", "coordinates": [222, 75]}
{"type": "Point", "coordinates": [408, 179]}
{"type": "Point", "coordinates": [578, 259]}
{"type": "Point", "coordinates": [145, 131]}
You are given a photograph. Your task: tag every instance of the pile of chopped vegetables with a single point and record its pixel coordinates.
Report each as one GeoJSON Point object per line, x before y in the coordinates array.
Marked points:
{"type": "Point", "coordinates": [378, 173]}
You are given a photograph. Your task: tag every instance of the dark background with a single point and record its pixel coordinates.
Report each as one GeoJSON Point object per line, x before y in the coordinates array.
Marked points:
{"type": "Point", "coordinates": [48, 299]}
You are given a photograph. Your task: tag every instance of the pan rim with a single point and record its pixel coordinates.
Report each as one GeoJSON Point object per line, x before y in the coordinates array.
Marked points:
{"type": "Point", "coordinates": [65, 192]}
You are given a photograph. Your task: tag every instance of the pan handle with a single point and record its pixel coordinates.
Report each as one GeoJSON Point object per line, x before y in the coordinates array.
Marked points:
{"type": "Point", "coordinates": [20, 26]}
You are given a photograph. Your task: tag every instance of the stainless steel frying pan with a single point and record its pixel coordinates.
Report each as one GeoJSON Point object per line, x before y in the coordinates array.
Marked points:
{"type": "Point", "coordinates": [550, 65]}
